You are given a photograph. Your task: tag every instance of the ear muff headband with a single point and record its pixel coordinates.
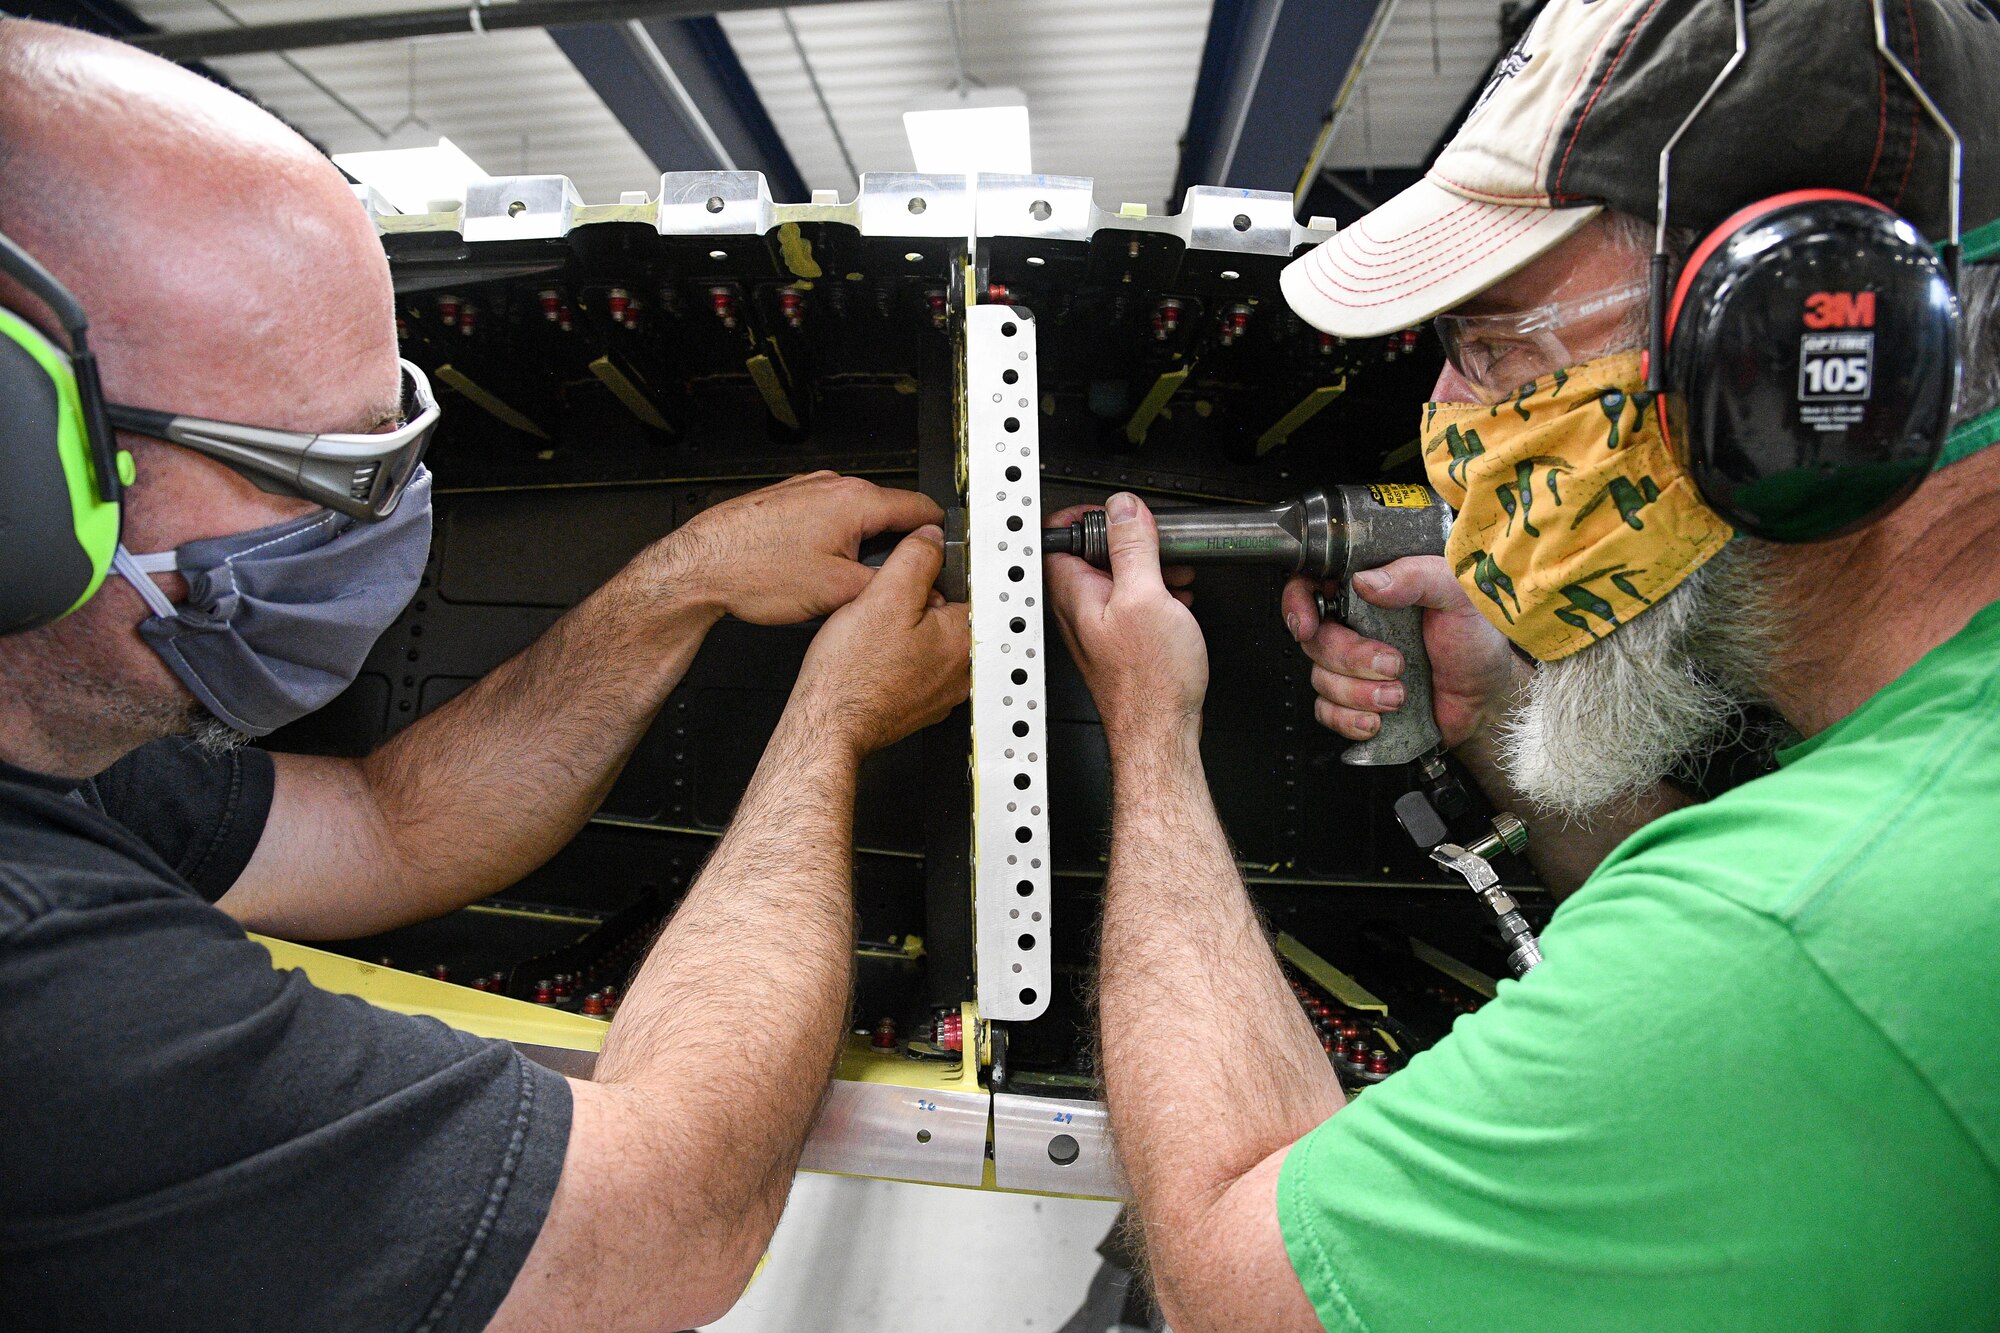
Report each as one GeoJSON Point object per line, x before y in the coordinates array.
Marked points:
{"type": "Point", "coordinates": [56, 535]}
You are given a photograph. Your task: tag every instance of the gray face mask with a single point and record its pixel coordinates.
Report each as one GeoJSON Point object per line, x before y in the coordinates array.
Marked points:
{"type": "Point", "coordinates": [278, 621]}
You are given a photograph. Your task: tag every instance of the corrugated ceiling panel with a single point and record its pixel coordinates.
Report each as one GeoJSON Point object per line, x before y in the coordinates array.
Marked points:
{"type": "Point", "coordinates": [1431, 54]}
{"type": "Point", "coordinates": [1108, 81]}
{"type": "Point", "coordinates": [510, 99]}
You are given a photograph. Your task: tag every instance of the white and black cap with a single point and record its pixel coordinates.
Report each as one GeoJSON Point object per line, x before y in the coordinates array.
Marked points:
{"type": "Point", "coordinates": [1573, 118]}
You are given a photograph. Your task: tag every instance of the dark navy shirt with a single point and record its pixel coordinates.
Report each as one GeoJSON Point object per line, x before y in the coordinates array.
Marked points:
{"type": "Point", "coordinates": [192, 1139]}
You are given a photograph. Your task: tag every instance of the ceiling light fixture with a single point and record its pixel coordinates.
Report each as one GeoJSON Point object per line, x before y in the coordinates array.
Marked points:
{"type": "Point", "coordinates": [968, 130]}
{"type": "Point", "coordinates": [415, 179]}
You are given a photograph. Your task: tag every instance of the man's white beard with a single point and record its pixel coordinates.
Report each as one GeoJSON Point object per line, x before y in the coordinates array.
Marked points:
{"type": "Point", "coordinates": [1607, 724]}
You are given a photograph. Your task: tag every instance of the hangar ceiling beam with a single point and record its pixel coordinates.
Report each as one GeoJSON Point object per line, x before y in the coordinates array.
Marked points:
{"type": "Point", "coordinates": [213, 43]}
{"type": "Point", "coordinates": [1270, 74]}
{"type": "Point", "coordinates": [681, 93]}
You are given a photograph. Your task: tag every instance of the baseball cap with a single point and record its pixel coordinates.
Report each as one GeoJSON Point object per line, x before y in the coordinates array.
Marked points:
{"type": "Point", "coordinates": [1572, 120]}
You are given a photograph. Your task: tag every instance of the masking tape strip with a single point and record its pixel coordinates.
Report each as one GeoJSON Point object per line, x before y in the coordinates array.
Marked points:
{"type": "Point", "coordinates": [1010, 884]}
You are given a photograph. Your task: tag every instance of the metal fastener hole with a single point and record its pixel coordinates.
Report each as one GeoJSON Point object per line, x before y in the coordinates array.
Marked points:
{"type": "Point", "coordinates": [1017, 624]}
{"type": "Point", "coordinates": [1023, 833]}
{"type": "Point", "coordinates": [718, 254]}
{"type": "Point", "coordinates": [914, 256]}
{"type": "Point", "coordinates": [1012, 424]}
{"type": "Point", "coordinates": [1020, 676]}
{"type": "Point", "coordinates": [1009, 329]}
{"type": "Point", "coordinates": [1230, 275]}
{"type": "Point", "coordinates": [1027, 995]}
{"type": "Point", "coordinates": [1013, 474]}
{"type": "Point", "coordinates": [1036, 261]}
{"type": "Point", "coordinates": [1013, 522]}
{"type": "Point", "coordinates": [1024, 888]}
{"type": "Point", "coordinates": [1020, 728]}
{"type": "Point", "coordinates": [1027, 942]}
{"type": "Point", "coordinates": [1063, 1150]}
{"type": "Point", "coordinates": [1016, 573]}
{"type": "Point", "coordinates": [923, 1136]}
{"type": "Point", "coordinates": [1040, 210]}
{"type": "Point", "coordinates": [1010, 376]}
{"type": "Point", "coordinates": [516, 208]}
{"type": "Point", "coordinates": [1021, 780]}
{"type": "Point", "coordinates": [715, 203]}
{"type": "Point", "coordinates": [917, 205]}
{"type": "Point", "coordinates": [1241, 222]}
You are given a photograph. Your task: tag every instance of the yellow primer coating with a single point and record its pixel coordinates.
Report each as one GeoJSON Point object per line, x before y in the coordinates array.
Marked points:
{"type": "Point", "coordinates": [1308, 407]}
{"type": "Point", "coordinates": [1334, 981]}
{"type": "Point", "coordinates": [628, 393]}
{"type": "Point", "coordinates": [486, 402]}
{"type": "Point", "coordinates": [797, 252]}
{"type": "Point", "coordinates": [468, 1010]}
{"type": "Point", "coordinates": [1155, 402]}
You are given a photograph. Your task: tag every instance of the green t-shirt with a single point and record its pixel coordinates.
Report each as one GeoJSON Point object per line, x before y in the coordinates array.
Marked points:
{"type": "Point", "coordinates": [1754, 1085]}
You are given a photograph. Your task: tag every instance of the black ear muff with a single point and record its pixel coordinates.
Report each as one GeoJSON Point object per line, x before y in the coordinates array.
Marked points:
{"type": "Point", "coordinates": [44, 568]}
{"type": "Point", "coordinates": [1812, 353]}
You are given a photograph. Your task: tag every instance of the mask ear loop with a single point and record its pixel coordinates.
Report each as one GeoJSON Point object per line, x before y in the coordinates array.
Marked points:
{"type": "Point", "coordinates": [138, 570]}
{"type": "Point", "coordinates": [1656, 356]}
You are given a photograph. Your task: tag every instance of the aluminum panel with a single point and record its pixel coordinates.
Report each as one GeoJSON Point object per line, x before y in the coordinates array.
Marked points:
{"type": "Point", "coordinates": [899, 1133]}
{"type": "Point", "coordinates": [1055, 1146]}
{"type": "Point", "coordinates": [1010, 824]}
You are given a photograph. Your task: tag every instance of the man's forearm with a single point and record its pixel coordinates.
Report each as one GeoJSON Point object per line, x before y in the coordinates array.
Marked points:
{"type": "Point", "coordinates": [1209, 1064]}
{"type": "Point", "coordinates": [470, 798]}
{"type": "Point", "coordinates": [731, 1027]}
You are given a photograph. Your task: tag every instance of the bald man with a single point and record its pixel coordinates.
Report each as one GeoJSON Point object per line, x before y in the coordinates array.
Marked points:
{"type": "Point", "coordinates": [194, 1140]}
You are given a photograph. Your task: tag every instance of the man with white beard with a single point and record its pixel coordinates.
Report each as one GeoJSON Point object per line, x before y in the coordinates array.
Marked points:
{"type": "Point", "coordinates": [1751, 1085]}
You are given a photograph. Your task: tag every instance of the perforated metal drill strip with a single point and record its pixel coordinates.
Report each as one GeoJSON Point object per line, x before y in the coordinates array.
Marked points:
{"type": "Point", "coordinates": [1010, 839]}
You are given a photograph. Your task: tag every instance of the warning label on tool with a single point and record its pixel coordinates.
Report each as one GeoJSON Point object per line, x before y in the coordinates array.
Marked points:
{"type": "Point", "coordinates": [1836, 378]}
{"type": "Point", "coordinates": [1401, 495]}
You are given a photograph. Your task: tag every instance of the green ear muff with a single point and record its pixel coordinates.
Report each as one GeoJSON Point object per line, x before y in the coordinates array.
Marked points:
{"type": "Point", "coordinates": [57, 534]}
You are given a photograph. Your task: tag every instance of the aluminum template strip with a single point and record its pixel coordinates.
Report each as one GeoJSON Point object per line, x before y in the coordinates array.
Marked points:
{"type": "Point", "coordinates": [1010, 822]}
{"type": "Point", "coordinates": [898, 1133]}
{"type": "Point", "coordinates": [1055, 1146]}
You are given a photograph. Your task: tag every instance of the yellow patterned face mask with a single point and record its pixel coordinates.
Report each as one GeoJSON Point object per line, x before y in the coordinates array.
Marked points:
{"type": "Point", "coordinates": [1574, 515]}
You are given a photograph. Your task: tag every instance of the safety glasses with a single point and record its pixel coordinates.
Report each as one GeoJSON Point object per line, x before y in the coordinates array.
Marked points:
{"type": "Point", "coordinates": [1497, 354]}
{"type": "Point", "coordinates": [362, 476]}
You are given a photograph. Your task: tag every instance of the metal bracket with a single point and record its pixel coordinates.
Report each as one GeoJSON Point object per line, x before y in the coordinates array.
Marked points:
{"type": "Point", "coordinates": [1010, 826]}
{"type": "Point", "coordinates": [520, 208]}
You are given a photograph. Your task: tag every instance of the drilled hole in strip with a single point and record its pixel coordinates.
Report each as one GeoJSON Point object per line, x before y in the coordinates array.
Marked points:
{"type": "Point", "coordinates": [1021, 781]}
{"type": "Point", "coordinates": [1027, 942]}
{"type": "Point", "coordinates": [1023, 833]}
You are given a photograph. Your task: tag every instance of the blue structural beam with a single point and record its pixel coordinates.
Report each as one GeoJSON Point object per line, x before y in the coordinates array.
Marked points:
{"type": "Point", "coordinates": [1269, 73]}
{"type": "Point", "coordinates": [681, 128]}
